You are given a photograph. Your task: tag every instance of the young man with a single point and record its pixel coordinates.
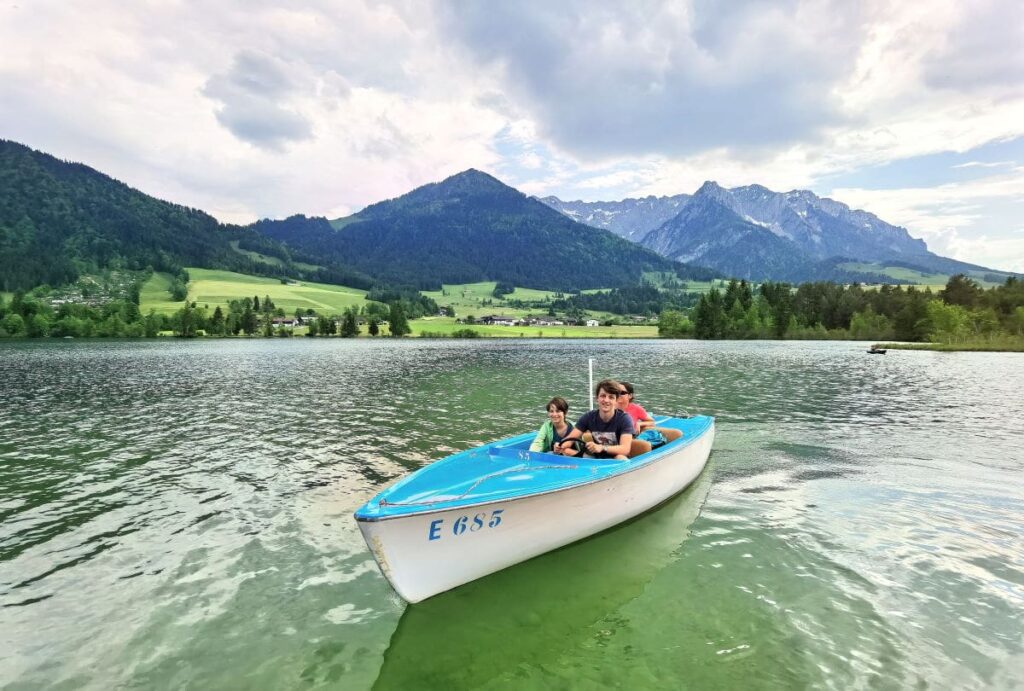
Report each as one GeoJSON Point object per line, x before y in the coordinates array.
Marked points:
{"type": "Point", "coordinates": [611, 429]}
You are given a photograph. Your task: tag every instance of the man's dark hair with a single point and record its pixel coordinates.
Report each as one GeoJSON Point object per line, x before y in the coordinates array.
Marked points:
{"type": "Point", "coordinates": [609, 385]}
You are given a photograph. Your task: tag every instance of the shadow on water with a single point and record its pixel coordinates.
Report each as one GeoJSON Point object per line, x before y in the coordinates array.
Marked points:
{"type": "Point", "coordinates": [532, 612]}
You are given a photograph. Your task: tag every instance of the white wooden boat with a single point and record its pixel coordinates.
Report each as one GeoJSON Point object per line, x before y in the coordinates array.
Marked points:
{"type": "Point", "coordinates": [481, 510]}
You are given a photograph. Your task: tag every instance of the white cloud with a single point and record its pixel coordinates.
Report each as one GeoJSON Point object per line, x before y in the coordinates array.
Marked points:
{"type": "Point", "coordinates": [948, 217]}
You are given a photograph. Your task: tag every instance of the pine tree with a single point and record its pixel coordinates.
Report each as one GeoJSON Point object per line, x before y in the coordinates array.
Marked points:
{"type": "Point", "coordinates": [398, 323]}
{"type": "Point", "coordinates": [349, 327]}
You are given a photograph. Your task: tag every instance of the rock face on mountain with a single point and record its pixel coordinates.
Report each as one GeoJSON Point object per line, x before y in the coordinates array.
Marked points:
{"type": "Point", "coordinates": [630, 218]}
{"type": "Point", "coordinates": [709, 233]}
{"type": "Point", "coordinates": [753, 232]}
{"type": "Point", "coordinates": [472, 227]}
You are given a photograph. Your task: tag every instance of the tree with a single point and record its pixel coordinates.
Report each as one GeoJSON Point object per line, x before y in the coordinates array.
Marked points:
{"type": "Point", "coordinates": [314, 328]}
{"type": "Point", "coordinates": [255, 303]}
{"type": "Point", "coordinates": [13, 324]}
{"type": "Point", "coordinates": [217, 322]}
{"type": "Point", "coordinates": [946, 323]}
{"type": "Point", "coordinates": [961, 290]}
{"type": "Point", "coordinates": [249, 322]}
{"type": "Point", "coordinates": [151, 327]}
{"type": "Point", "coordinates": [185, 321]}
{"type": "Point", "coordinates": [349, 327]}
{"type": "Point", "coordinates": [38, 326]}
{"type": "Point", "coordinates": [709, 316]}
{"type": "Point", "coordinates": [868, 325]}
{"type": "Point", "coordinates": [673, 324]}
{"type": "Point", "coordinates": [373, 328]}
{"type": "Point", "coordinates": [399, 324]}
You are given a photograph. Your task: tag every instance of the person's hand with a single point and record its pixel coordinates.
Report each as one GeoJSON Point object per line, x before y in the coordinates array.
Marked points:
{"type": "Point", "coordinates": [592, 448]}
{"type": "Point", "coordinates": [557, 448]}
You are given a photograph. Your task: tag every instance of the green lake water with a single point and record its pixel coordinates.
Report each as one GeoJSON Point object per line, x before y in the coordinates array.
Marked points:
{"type": "Point", "coordinates": [178, 515]}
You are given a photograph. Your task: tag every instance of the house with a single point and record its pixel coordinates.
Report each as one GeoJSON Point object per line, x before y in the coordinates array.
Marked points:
{"type": "Point", "coordinates": [499, 320]}
{"type": "Point", "coordinates": [285, 321]}
{"type": "Point", "coordinates": [593, 322]}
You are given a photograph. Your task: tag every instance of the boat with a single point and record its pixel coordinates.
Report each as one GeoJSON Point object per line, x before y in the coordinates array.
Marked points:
{"type": "Point", "coordinates": [485, 509]}
{"type": "Point", "coordinates": [876, 351]}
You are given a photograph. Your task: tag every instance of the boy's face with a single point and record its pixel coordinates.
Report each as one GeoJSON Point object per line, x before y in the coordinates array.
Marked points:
{"type": "Point", "coordinates": [607, 400]}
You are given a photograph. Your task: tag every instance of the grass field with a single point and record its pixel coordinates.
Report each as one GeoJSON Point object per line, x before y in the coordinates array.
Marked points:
{"type": "Point", "coordinates": [467, 298]}
{"type": "Point", "coordinates": [935, 281]}
{"type": "Point", "coordinates": [447, 325]}
{"type": "Point", "coordinates": [209, 287]}
{"type": "Point", "coordinates": [999, 344]}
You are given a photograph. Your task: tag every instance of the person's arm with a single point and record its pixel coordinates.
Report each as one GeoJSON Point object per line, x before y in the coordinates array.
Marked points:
{"type": "Point", "coordinates": [620, 449]}
{"type": "Point", "coordinates": [542, 439]}
{"type": "Point", "coordinates": [574, 434]}
{"type": "Point", "coordinates": [624, 433]}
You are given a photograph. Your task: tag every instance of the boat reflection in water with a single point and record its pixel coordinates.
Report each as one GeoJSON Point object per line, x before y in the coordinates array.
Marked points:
{"type": "Point", "coordinates": [483, 631]}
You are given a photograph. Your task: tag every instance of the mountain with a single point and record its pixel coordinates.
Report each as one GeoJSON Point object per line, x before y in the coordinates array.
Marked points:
{"type": "Point", "coordinates": [630, 218]}
{"type": "Point", "coordinates": [472, 227]}
{"type": "Point", "coordinates": [709, 232]}
{"type": "Point", "coordinates": [60, 219]}
{"type": "Point", "coordinates": [802, 237]}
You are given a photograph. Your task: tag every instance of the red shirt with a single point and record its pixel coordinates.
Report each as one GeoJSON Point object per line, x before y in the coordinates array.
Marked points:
{"type": "Point", "coordinates": [636, 412]}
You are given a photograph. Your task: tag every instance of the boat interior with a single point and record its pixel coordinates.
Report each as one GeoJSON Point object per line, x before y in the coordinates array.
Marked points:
{"type": "Point", "coordinates": [507, 469]}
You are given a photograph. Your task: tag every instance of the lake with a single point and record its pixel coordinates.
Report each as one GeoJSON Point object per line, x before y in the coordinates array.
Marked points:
{"type": "Point", "coordinates": [178, 514]}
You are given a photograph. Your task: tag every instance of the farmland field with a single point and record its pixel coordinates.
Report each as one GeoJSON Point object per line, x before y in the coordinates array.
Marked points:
{"type": "Point", "coordinates": [467, 299]}
{"type": "Point", "coordinates": [447, 325]}
{"type": "Point", "coordinates": [935, 281]}
{"type": "Point", "coordinates": [210, 287]}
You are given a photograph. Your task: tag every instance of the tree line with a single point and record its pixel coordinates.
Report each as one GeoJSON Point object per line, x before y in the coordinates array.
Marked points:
{"type": "Point", "coordinates": [961, 311]}
{"type": "Point", "coordinates": [31, 316]}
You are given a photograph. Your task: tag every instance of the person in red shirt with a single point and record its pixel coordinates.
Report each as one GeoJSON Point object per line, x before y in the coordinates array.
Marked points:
{"type": "Point", "coordinates": [641, 420]}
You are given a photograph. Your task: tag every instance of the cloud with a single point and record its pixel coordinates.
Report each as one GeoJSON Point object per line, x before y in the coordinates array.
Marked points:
{"type": "Point", "coordinates": [983, 164]}
{"type": "Point", "coordinates": [252, 93]}
{"type": "Point", "coordinates": [985, 51]}
{"type": "Point", "coordinates": [606, 80]}
{"type": "Point", "coordinates": [962, 220]}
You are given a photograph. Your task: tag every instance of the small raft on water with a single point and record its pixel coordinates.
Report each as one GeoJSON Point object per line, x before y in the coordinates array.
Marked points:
{"type": "Point", "coordinates": [481, 510]}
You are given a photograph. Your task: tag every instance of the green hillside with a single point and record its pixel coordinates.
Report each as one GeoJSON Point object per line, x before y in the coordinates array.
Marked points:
{"type": "Point", "coordinates": [60, 220]}
{"type": "Point", "coordinates": [471, 228]}
{"type": "Point", "coordinates": [214, 287]}
{"type": "Point", "coordinates": [934, 280]}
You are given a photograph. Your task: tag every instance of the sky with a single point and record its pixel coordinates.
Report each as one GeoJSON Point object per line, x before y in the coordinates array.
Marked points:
{"type": "Point", "coordinates": [913, 111]}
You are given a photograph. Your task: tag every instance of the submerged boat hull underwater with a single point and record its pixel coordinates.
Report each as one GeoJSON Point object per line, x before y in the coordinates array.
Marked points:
{"type": "Point", "coordinates": [482, 510]}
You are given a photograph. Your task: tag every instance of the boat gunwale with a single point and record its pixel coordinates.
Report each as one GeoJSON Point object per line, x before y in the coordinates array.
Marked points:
{"type": "Point", "coordinates": [654, 456]}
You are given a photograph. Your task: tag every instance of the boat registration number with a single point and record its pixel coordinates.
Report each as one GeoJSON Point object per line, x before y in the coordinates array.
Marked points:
{"type": "Point", "coordinates": [464, 524]}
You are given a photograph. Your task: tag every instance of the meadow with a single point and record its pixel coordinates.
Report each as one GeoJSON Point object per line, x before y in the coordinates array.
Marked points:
{"type": "Point", "coordinates": [213, 288]}
{"type": "Point", "coordinates": [935, 281]}
{"type": "Point", "coordinates": [996, 344]}
{"type": "Point", "coordinates": [467, 299]}
{"type": "Point", "coordinates": [445, 326]}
